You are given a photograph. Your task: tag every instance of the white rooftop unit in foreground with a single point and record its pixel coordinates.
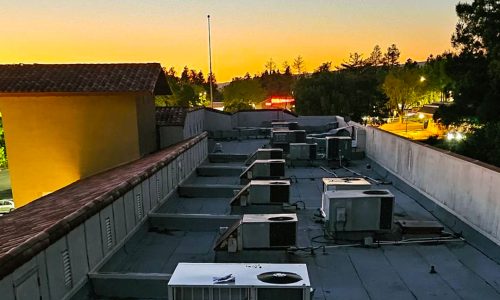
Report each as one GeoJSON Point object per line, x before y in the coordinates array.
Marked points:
{"type": "Point", "coordinates": [263, 192]}
{"type": "Point", "coordinates": [356, 210]}
{"type": "Point", "coordinates": [198, 281]}
{"type": "Point", "coordinates": [269, 168]}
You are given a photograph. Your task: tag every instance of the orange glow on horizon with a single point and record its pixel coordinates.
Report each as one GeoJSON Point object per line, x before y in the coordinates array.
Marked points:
{"type": "Point", "coordinates": [244, 37]}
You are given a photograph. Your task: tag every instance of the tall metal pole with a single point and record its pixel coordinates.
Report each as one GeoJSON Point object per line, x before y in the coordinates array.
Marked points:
{"type": "Point", "coordinates": [210, 61]}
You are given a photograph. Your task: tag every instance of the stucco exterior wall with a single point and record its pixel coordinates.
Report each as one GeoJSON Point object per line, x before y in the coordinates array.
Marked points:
{"type": "Point", "coordinates": [170, 135]}
{"type": "Point", "coordinates": [258, 118]}
{"type": "Point", "coordinates": [217, 121]}
{"type": "Point", "coordinates": [194, 122]}
{"type": "Point", "coordinates": [466, 189]}
{"type": "Point", "coordinates": [146, 124]}
{"type": "Point", "coordinates": [53, 141]}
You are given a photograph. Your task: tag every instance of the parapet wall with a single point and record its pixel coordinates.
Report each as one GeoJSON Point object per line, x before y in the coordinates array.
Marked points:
{"type": "Point", "coordinates": [74, 230]}
{"type": "Point", "coordinates": [468, 189]}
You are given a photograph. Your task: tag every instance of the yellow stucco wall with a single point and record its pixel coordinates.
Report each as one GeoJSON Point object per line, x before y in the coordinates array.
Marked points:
{"type": "Point", "coordinates": [53, 141]}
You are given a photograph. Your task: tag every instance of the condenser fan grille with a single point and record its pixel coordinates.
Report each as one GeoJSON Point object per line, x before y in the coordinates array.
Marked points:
{"type": "Point", "coordinates": [279, 277]}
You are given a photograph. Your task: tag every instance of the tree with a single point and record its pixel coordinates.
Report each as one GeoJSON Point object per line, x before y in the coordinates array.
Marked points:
{"type": "Point", "coordinates": [324, 67]}
{"type": "Point", "coordinates": [242, 93]}
{"type": "Point", "coordinates": [346, 92]}
{"type": "Point", "coordinates": [185, 74]}
{"type": "Point", "coordinates": [285, 66]}
{"type": "Point", "coordinates": [355, 61]}
{"type": "Point", "coordinates": [391, 57]}
{"type": "Point", "coordinates": [270, 65]}
{"type": "Point", "coordinates": [376, 57]}
{"type": "Point", "coordinates": [298, 64]}
{"type": "Point", "coordinates": [477, 38]}
{"type": "Point", "coordinates": [403, 87]}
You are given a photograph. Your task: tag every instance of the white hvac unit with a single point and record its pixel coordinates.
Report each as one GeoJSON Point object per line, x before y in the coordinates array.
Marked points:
{"type": "Point", "coordinates": [345, 183]}
{"type": "Point", "coordinates": [260, 231]}
{"type": "Point", "coordinates": [239, 281]}
{"type": "Point", "coordinates": [302, 151]}
{"type": "Point", "coordinates": [270, 168]}
{"type": "Point", "coordinates": [265, 153]}
{"type": "Point", "coordinates": [359, 210]}
{"type": "Point", "coordinates": [263, 192]}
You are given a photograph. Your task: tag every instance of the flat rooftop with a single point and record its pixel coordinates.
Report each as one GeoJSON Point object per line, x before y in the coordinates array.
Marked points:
{"type": "Point", "coordinates": [397, 271]}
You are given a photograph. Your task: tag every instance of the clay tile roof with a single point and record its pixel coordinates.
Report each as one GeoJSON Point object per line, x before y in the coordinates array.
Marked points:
{"type": "Point", "coordinates": [171, 116]}
{"type": "Point", "coordinates": [32, 228]}
{"type": "Point", "coordinates": [83, 78]}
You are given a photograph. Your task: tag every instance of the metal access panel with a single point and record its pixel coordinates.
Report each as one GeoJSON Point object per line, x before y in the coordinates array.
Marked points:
{"type": "Point", "coordinates": [357, 210]}
{"type": "Point", "coordinates": [264, 231]}
{"type": "Point", "coordinates": [302, 151]}
{"type": "Point", "coordinates": [195, 281]}
{"type": "Point", "coordinates": [338, 147]}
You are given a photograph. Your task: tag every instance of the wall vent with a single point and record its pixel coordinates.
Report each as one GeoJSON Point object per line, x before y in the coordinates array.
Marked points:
{"type": "Point", "coordinates": [158, 192]}
{"type": "Point", "coordinates": [109, 233]}
{"type": "Point", "coordinates": [138, 204]}
{"type": "Point", "coordinates": [68, 277]}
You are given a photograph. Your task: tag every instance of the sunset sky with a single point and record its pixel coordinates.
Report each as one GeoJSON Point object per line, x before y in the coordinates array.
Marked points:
{"type": "Point", "coordinates": [245, 34]}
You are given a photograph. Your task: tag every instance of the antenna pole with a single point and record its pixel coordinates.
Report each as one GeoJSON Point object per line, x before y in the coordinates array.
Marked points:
{"type": "Point", "coordinates": [210, 63]}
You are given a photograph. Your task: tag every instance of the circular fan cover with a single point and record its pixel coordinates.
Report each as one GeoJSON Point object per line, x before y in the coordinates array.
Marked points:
{"type": "Point", "coordinates": [375, 192]}
{"type": "Point", "coordinates": [277, 182]}
{"type": "Point", "coordinates": [278, 277]}
{"type": "Point", "coordinates": [280, 219]}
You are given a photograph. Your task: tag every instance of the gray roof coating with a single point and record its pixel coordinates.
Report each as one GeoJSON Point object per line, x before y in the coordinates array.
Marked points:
{"type": "Point", "coordinates": [384, 272]}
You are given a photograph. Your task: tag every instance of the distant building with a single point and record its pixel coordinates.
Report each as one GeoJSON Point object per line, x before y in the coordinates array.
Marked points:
{"type": "Point", "coordinates": [66, 122]}
{"type": "Point", "coordinates": [284, 102]}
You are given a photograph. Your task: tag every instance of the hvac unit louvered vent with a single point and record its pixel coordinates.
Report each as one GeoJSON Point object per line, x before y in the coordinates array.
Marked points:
{"type": "Point", "coordinates": [214, 293]}
{"type": "Point", "coordinates": [109, 233]}
{"type": "Point", "coordinates": [68, 277]}
{"type": "Point", "coordinates": [138, 205]}
{"type": "Point", "coordinates": [158, 194]}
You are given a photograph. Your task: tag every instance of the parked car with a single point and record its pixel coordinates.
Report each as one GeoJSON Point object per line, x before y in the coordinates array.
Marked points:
{"type": "Point", "coordinates": [6, 206]}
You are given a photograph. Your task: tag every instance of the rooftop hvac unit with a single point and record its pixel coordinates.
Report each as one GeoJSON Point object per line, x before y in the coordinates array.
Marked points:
{"type": "Point", "coordinates": [285, 125]}
{"type": "Point", "coordinates": [338, 147]}
{"type": "Point", "coordinates": [356, 210]}
{"type": "Point", "coordinates": [263, 192]}
{"type": "Point", "coordinates": [260, 231]}
{"type": "Point", "coordinates": [265, 153]}
{"type": "Point", "coordinates": [340, 184]}
{"type": "Point", "coordinates": [286, 136]}
{"type": "Point", "coordinates": [302, 151]}
{"type": "Point", "coordinates": [262, 169]}
{"type": "Point", "coordinates": [237, 281]}
{"type": "Point", "coordinates": [345, 183]}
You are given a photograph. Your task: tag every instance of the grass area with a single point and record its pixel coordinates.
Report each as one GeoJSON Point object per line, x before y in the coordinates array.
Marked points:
{"type": "Point", "coordinates": [411, 129]}
{"type": "Point", "coordinates": [5, 187]}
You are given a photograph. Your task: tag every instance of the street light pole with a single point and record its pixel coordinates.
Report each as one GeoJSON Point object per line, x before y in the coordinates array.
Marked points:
{"type": "Point", "coordinates": [210, 63]}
